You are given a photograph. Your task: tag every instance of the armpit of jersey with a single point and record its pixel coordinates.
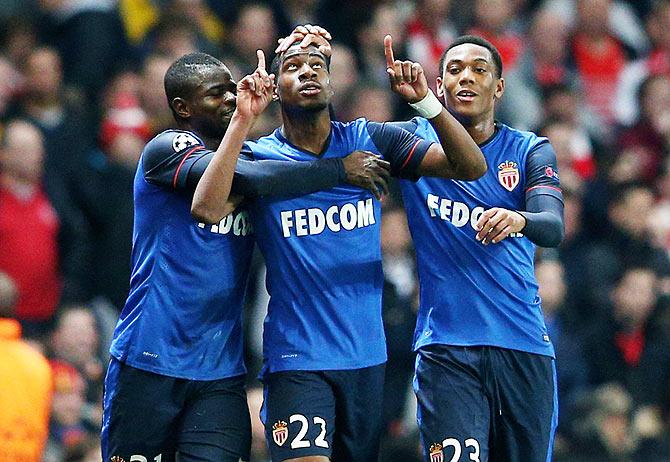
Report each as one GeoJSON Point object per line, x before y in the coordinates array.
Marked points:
{"type": "Point", "coordinates": [401, 148]}
{"type": "Point", "coordinates": [167, 159]}
{"type": "Point", "coordinates": [542, 172]}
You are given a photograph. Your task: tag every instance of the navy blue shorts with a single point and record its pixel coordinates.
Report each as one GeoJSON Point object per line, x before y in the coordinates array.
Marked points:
{"type": "Point", "coordinates": [149, 417]}
{"type": "Point", "coordinates": [485, 404]}
{"type": "Point", "coordinates": [337, 414]}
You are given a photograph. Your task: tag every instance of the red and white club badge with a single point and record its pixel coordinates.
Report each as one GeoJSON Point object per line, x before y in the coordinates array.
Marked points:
{"type": "Point", "coordinates": [280, 432]}
{"type": "Point", "coordinates": [436, 454]}
{"type": "Point", "coordinates": [508, 175]}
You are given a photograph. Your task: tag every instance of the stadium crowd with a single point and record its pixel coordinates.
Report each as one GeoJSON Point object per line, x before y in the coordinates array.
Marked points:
{"type": "Point", "coordinates": [81, 92]}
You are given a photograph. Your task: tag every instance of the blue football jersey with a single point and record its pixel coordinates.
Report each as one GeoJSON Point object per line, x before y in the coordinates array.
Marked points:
{"type": "Point", "coordinates": [323, 256]}
{"type": "Point", "coordinates": [183, 313]}
{"type": "Point", "coordinates": [471, 294]}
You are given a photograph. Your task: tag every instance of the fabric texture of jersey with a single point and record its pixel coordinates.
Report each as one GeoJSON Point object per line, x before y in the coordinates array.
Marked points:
{"type": "Point", "coordinates": [183, 314]}
{"type": "Point", "coordinates": [471, 294]}
{"type": "Point", "coordinates": [323, 256]}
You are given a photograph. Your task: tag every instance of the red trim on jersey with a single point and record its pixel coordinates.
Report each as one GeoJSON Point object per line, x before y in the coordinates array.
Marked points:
{"type": "Point", "coordinates": [176, 173]}
{"type": "Point", "coordinates": [544, 186]}
{"type": "Point", "coordinates": [411, 153]}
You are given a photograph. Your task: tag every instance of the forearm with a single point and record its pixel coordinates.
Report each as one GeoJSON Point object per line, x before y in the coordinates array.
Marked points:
{"type": "Point", "coordinates": [464, 158]}
{"type": "Point", "coordinates": [544, 221]}
{"type": "Point", "coordinates": [214, 187]}
{"type": "Point", "coordinates": [283, 178]}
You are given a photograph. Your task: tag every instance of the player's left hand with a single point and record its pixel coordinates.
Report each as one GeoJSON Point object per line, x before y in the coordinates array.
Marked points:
{"type": "Point", "coordinates": [307, 35]}
{"type": "Point", "coordinates": [406, 77]}
{"type": "Point", "coordinates": [254, 92]}
{"type": "Point", "coordinates": [496, 224]}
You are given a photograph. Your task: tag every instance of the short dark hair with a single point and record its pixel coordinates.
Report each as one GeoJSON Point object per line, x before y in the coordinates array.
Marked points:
{"type": "Point", "coordinates": [179, 79]}
{"type": "Point", "coordinates": [476, 40]}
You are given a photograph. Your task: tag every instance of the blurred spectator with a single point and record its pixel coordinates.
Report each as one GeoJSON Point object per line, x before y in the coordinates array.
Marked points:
{"type": "Point", "coordinates": [123, 133]}
{"type": "Point", "coordinates": [625, 243]}
{"type": "Point", "coordinates": [657, 62]}
{"type": "Point", "coordinates": [429, 32]}
{"type": "Point", "coordinates": [87, 62]}
{"type": "Point", "coordinates": [644, 145]}
{"type": "Point", "coordinates": [571, 368]}
{"type": "Point", "coordinates": [254, 29]}
{"type": "Point", "coordinates": [661, 211]}
{"type": "Point", "coordinates": [11, 82]}
{"type": "Point", "coordinates": [344, 77]}
{"type": "Point", "coordinates": [174, 36]}
{"type": "Point", "coordinates": [627, 347]}
{"type": "Point", "coordinates": [152, 93]}
{"type": "Point", "coordinates": [75, 341]}
{"type": "Point", "coordinates": [598, 55]}
{"type": "Point", "coordinates": [543, 64]}
{"type": "Point", "coordinates": [494, 21]}
{"type": "Point", "coordinates": [383, 19]}
{"type": "Point", "coordinates": [67, 432]}
{"type": "Point", "coordinates": [28, 227]}
{"type": "Point", "coordinates": [371, 102]}
{"type": "Point", "coordinates": [25, 386]}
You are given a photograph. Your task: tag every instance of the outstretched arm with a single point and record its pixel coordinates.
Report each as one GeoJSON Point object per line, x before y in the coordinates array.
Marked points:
{"type": "Point", "coordinates": [254, 93]}
{"type": "Point", "coordinates": [457, 156]}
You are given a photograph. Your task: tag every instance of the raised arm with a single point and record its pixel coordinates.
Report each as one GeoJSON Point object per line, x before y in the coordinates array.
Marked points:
{"type": "Point", "coordinates": [254, 93]}
{"type": "Point", "coordinates": [457, 156]}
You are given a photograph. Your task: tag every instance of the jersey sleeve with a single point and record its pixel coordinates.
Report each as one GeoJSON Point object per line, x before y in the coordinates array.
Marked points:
{"type": "Point", "coordinates": [168, 159]}
{"type": "Point", "coordinates": [542, 172]}
{"type": "Point", "coordinates": [400, 147]}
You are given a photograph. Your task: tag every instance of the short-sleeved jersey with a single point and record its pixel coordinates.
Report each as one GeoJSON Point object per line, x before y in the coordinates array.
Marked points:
{"type": "Point", "coordinates": [323, 256]}
{"type": "Point", "coordinates": [183, 313]}
{"type": "Point", "coordinates": [472, 294]}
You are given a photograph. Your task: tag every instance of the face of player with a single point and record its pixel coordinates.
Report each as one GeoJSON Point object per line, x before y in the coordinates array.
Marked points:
{"type": "Point", "coordinates": [213, 102]}
{"type": "Point", "coordinates": [469, 82]}
{"type": "Point", "coordinates": [304, 80]}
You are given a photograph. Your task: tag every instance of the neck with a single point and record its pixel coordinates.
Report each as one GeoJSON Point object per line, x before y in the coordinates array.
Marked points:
{"type": "Point", "coordinates": [211, 143]}
{"type": "Point", "coordinates": [306, 129]}
{"type": "Point", "coordinates": [480, 129]}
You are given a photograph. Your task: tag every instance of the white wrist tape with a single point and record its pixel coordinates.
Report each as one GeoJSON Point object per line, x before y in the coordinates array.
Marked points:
{"type": "Point", "coordinates": [429, 106]}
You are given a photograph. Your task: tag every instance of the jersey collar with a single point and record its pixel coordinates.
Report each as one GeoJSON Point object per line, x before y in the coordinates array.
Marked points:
{"type": "Point", "coordinates": [280, 136]}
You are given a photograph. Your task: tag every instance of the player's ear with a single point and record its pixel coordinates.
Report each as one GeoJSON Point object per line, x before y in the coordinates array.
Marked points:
{"type": "Point", "coordinates": [181, 107]}
{"type": "Point", "coordinates": [438, 87]}
{"type": "Point", "coordinates": [500, 88]}
{"type": "Point", "coordinates": [275, 92]}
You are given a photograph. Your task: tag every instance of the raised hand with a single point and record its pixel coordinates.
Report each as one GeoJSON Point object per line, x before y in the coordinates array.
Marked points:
{"type": "Point", "coordinates": [368, 171]}
{"type": "Point", "coordinates": [254, 92]}
{"type": "Point", "coordinates": [406, 77]}
{"type": "Point", "coordinates": [307, 35]}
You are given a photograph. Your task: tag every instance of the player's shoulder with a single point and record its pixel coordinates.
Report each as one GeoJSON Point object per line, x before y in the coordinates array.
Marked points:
{"type": "Point", "coordinates": [171, 141]}
{"type": "Point", "coordinates": [524, 139]}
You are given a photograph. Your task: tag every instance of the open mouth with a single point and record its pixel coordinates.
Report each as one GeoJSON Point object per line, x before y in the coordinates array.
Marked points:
{"type": "Point", "coordinates": [310, 89]}
{"type": "Point", "coordinates": [466, 95]}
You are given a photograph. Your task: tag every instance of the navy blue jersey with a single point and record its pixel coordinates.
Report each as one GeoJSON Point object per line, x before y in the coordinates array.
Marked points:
{"type": "Point", "coordinates": [322, 250]}
{"type": "Point", "coordinates": [471, 294]}
{"type": "Point", "coordinates": [183, 314]}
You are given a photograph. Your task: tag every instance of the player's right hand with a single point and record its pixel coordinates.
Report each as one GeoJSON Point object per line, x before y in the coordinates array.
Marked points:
{"type": "Point", "coordinates": [406, 77]}
{"type": "Point", "coordinates": [368, 171]}
{"type": "Point", "coordinates": [254, 92]}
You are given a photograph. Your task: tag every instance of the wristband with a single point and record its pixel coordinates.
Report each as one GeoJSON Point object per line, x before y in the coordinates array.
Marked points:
{"type": "Point", "coordinates": [429, 107]}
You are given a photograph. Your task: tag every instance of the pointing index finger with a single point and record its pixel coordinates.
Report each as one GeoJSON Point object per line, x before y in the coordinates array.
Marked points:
{"type": "Point", "coordinates": [388, 51]}
{"type": "Point", "coordinates": [261, 59]}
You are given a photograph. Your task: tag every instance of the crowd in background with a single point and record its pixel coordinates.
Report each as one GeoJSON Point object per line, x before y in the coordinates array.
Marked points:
{"type": "Point", "coordinates": [81, 92]}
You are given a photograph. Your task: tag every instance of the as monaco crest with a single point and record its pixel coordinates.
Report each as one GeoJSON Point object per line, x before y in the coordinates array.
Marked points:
{"type": "Point", "coordinates": [280, 432]}
{"type": "Point", "coordinates": [508, 175]}
{"type": "Point", "coordinates": [436, 454]}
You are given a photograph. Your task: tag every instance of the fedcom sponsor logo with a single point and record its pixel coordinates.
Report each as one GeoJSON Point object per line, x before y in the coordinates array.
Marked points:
{"type": "Point", "coordinates": [308, 222]}
{"type": "Point", "coordinates": [239, 224]}
{"type": "Point", "coordinates": [458, 213]}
